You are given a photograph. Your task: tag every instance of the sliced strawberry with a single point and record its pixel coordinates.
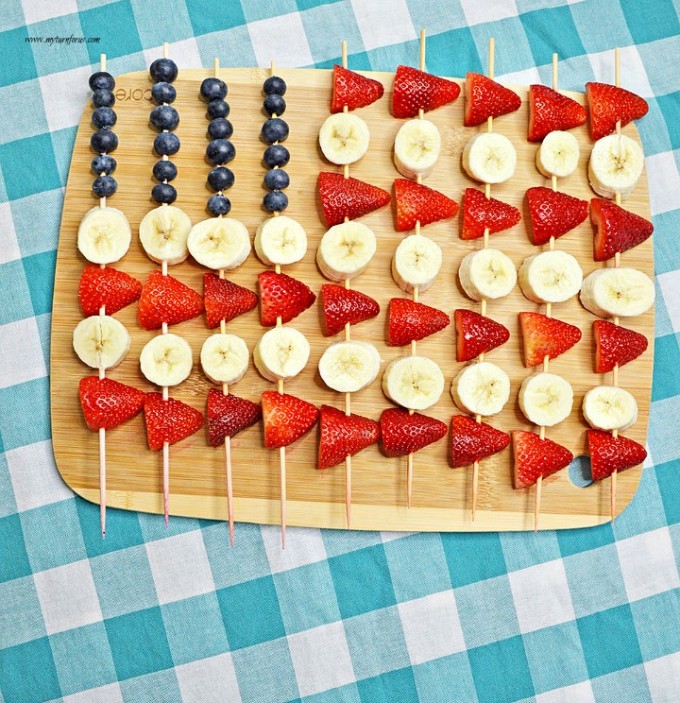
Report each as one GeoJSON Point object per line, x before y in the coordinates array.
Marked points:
{"type": "Point", "coordinates": [536, 457]}
{"type": "Point", "coordinates": [408, 321]}
{"type": "Point", "coordinates": [353, 89]}
{"type": "Point", "coordinates": [609, 453]}
{"type": "Point", "coordinates": [616, 345]}
{"type": "Point", "coordinates": [169, 420]}
{"type": "Point", "coordinates": [166, 299]}
{"type": "Point", "coordinates": [618, 230]}
{"type": "Point", "coordinates": [472, 441]}
{"type": "Point", "coordinates": [416, 90]}
{"type": "Point", "coordinates": [418, 203]}
{"type": "Point", "coordinates": [343, 435]}
{"type": "Point", "coordinates": [552, 214]}
{"type": "Point", "coordinates": [486, 98]}
{"type": "Point", "coordinates": [107, 403]}
{"type": "Point", "coordinates": [341, 305]}
{"type": "Point", "coordinates": [545, 336]}
{"type": "Point", "coordinates": [403, 433]}
{"type": "Point", "coordinates": [609, 104]}
{"type": "Point", "coordinates": [476, 334]}
{"type": "Point", "coordinates": [282, 296]}
{"type": "Point", "coordinates": [286, 418]}
{"type": "Point", "coordinates": [106, 287]}
{"type": "Point", "coordinates": [228, 415]}
{"type": "Point", "coordinates": [348, 197]}
{"type": "Point", "coordinates": [480, 213]}
{"type": "Point", "coordinates": [225, 300]}
{"type": "Point", "coordinates": [550, 111]}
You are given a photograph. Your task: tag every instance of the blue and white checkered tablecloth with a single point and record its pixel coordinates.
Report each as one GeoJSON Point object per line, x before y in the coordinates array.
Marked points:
{"type": "Point", "coordinates": [156, 614]}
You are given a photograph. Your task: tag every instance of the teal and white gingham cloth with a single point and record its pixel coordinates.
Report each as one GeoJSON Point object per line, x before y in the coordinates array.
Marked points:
{"type": "Point", "coordinates": [156, 614]}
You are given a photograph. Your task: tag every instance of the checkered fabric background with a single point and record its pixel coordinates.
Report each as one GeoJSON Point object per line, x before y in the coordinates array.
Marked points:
{"type": "Point", "coordinates": [156, 614]}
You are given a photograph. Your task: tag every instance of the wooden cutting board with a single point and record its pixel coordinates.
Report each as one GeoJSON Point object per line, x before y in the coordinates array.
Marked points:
{"type": "Point", "coordinates": [441, 495]}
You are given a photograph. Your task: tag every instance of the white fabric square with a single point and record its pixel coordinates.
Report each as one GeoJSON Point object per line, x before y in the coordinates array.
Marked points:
{"type": "Point", "coordinates": [22, 354]}
{"type": "Point", "coordinates": [431, 627]}
{"type": "Point", "coordinates": [110, 693]}
{"type": "Point", "coordinates": [648, 564]}
{"type": "Point", "coordinates": [68, 597]}
{"type": "Point", "coordinates": [211, 680]}
{"type": "Point", "coordinates": [169, 558]}
{"type": "Point", "coordinates": [281, 39]}
{"type": "Point", "coordinates": [39, 10]}
{"type": "Point", "coordinates": [663, 678]}
{"type": "Point", "coordinates": [491, 11]}
{"type": "Point", "coordinates": [664, 182]}
{"type": "Point", "coordinates": [184, 53]}
{"type": "Point", "coordinates": [541, 596]}
{"type": "Point", "coordinates": [670, 285]}
{"type": "Point", "coordinates": [383, 22]}
{"type": "Point", "coordinates": [525, 77]}
{"type": "Point", "coordinates": [9, 246]}
{"type": "Point", "coordinates": [633, 74]}
{"type": "Point", "coordinates": [321, 658]}
{"type": "Point", "coordinates": [65, 96]}
{"type": "Point", "coordinates": [577, 693]}
{"type": "Point", "coordinates": [306, 548]}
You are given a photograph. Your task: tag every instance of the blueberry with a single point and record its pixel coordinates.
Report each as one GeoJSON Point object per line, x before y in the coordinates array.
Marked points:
{"type": "Point", "coordinates": [102, 80]}
{"type": "Point", "coordinates": [219, 204]}
{"type": "Point", "coordinates": [213, 89]}
{"type": "Point", "coordinates": [103, 98]}
{"type": "Point", "coordinates": [276, 179]}
{"type": "Point", "coordinates": [166, 144]}
{"type": "Point", "coordinates": [220, 151]}
{"type": "Point", "coordinates": [274, 105]}
{"type": "Point", "coordinates": [220, 128]}
{"type": "Point", "coordinates": [221, 178]}
{"type": "Point", "coordinates": [276, 201]}
{"type": "Point", "coordinates": [218, 108]}
{"type": "Point", "coordinates": [104, 186]}
{"type": "Point", "coordinates": [274, 130]}
{"type": "Point", "coordinates": [103, 163]}
{"type": "Point", "coordinates": [163, 93]}
{"type": "Point", "coordinates": [164, 117]}
{"type": "Point", "coordinates": [274, 84]}
{"type": "Point", "coordinates": [103, 141]}
{"type": "Point", "coordinates": [164, 170]}
{"type": "Point", "coordinates": [163, 70]}
{"type": "Point", "coordinates": [164, 193]}
{"type": "Point", "coordinates": [103, 117]}
{"type": "Point", "coordinates": [276, 155]}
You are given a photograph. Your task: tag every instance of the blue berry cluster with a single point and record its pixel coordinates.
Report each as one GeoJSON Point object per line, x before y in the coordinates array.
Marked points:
{"type": "Point", "coordinates": [220, 151]}
{"type": "Point", "coordinates": [104, 140]}
{"type": "Point", "coordinates": [275, 130]}
{"type": "Point", "coordinates": [165, 118]}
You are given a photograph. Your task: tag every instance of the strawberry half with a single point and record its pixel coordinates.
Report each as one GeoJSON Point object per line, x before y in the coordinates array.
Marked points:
{"type": "Point", "coordinates": [418, 203]}
{"type": "Point", "coordinates": [550, 111]}
{"type": "Point", "coordinates": [403, 433]}
{"type": "Point", "coordinates": [480, 213]}
{"type": "Point", "coordinates": [552, 214]}
{"type": "Point", "coordinates": [353, 89]}
{"type": "Point", "coordinates": [536, 457]}
{"type": "Point", "coordinates": [107, 287]}
{"type": "Point", "coordinates": [408, 321]}
{"type": "Point", "coordinates": [485, 98]}
{"type": "Point", "coordinates": [545, 336]}
{"type": "Point", "coordinates": [609, 453]}
{"type": "Point", "coordinates": [166, 299]}
{"type": "Point", "coordinates": [348, 197]}
{"type": "Point", "coordinates": [228, 415]}
{"type": "Point", "coordinates": [416, 90]}
{"type": "Point", "coordinates": [618, 230]}
{"type": "Point", "coordinates": [616, 345]}
{"type": "Point", "coordinates": [107, 403]}
{"type": "Point", "coordinates": [472, 441]}
{"type": "Point", "coordinates": [282, 296]}
{"type": "Point", "coordinates": [286, 418]}
{"type": "Point", "coordinates": [169, 420]}
{"type": "Point", "coordinates": [225, 300]}
{"type": "Point", "coordinates": [343, 435]}
{"type": "Point", "coordinates": [476, 334]}
{"type": "Point", "coordinates": [341, 305]}
{"type": "Point", "coordinates": [609, 104]}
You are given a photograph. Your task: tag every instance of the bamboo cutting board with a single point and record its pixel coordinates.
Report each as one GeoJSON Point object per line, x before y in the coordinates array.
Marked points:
{"type": "Point", "coordinates": [441, 495]}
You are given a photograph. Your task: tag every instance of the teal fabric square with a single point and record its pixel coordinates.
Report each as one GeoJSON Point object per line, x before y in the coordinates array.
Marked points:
{"type": "Point", "coordinates": [156, 686]}
{"type": "Point", "coordinates": [513, 54]}
{"type": "Point", "coordinates": [662, 608]}
{"type": "Point", "coordinates": [12, 15]}
{"type": "Point", "coordinates": [232, 566]}
{"type": "Point", "coordinates": [157, 24]}
{"type": "Point", "coordinates": [446, 679]}
{"type": "Point", "coordinates": [666, 253]}
{"type": "Point", "coordinates": [62, 145]}
{"type": "Point", "coordinates": [13, 557]}
{"type": "Point", "coordinates": [28, 674]}
{"type": "Point", "coordinates": [55, 57]}
{"type": "Point", "coordinates": [122, 528]}
{"type": "Point", "coordinates": [659, 77]}
{"type": "Point", "coordinates": [252, 12]}
{"type": "Point", "coordinates": [509, 657]}
{"type": "Point", "coordinates": [20, 424]}
{"type": "Point", "coordinates": [213, 15]}
{"type": "Point", "coordinates": [8, 505]}
{"type": "Point", "coordinates": [115, 24]}
{"type": "Point", "coordinates": [391, 687]}
{"type": "Point", "coordinates": [343, 694]}
{"type": "Point", "coordinates": [16, 56]}
{"type": "Point", "coordinates": [588, 19]}
{"type": "Point", "coordinates": [544, 42]}
{"type": "Point", "coordinates": [237, 39]}
{"type": "Point", "coordinates": [338, 542]}
{"type": "Point", "coordinates": [653, 132]}
{"type": "Point", "coordinates": [519, 554]}
{"type": "Point", "coordinates": [44, 323]}
{"type": "Point", "coordinates": [387, 58]}
{"type": "Point", "coordinates": [35, 218]}
{"type": "Point", "coordinates": [20, 614]}
{"type": "Point", "coordinates": [154, 528]}
{"type": "Point", "coordinates": [668, 104]}
{"type": "Point", "coordinates": [625, 685]}
{"type": "Point", "coordinates": [339, 21]}
{"type": "Point", "coordinates": [584, 539]}
{"type": "Point", "coordinates": [273, 656]}
{"type": "Point", "coordinates": [645, 512]}
{"type": "Point", "coordinates": [473, 557]}
{"type": "Point", "coordinates": [28, 95]}
{"type": "Point", "coordinates": [648, 25]}
{"type": "Point", "coordinates": [666, 380]}
{"type": "Point", "coordinates": [668, 478]}
{"type": "Point", "coordinates": [15, 287]}
{"type": "Point", "coordinates": [40, 276]}
{"type": "Point", "coordinates": [29, 166]}
{"type": "Point", "coordinates": [453, 53]}
{"type": "Point", "coordinates": [303, 5]}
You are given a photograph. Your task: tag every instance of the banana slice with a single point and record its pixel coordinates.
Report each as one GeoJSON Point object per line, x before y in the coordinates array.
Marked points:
{"type": "Point", "coordinates": [347, 367]}
{"type": "Point", "coordinates": [615, 165]}
{"type": "Point", "coordinates": [280, 240]}
{"type": "Point", "coordinates": [546, 398]}
{"type": "Point", "coordinates": [558, 154]}
{"type": "Point", "coordinates": [345, 250]}
{"type": "Point", "coordinates": [416, 263]}
{"type": "Point", "coordinates": [416, 148]}
{"type": "Point", "coordinates": [163, 233]}
{"type": "Point", "coordinates": [481, 388]}
{"type": "Point", "coordinates": [550, 277]}
{"type": "Point", "coordinates": [487, 273]}
{"type": "Point", "coordinates": [490, 157]}
{"type": "Point", "coordinates": [104, 235]}
{"type": "Point", "coordinates": [344, 138]}
{"type": "Point", "coordinates": [609, 408]}
{"type": "Point", "coordinates": [100, 341]}
{"type": "Point", "coordinates": [219, 243]}
{"type": "Point", "coordinates": [281, 353]}
{"type": "Point", "coordinates": [617, 292]}
{"type": "Point", "coordinates": [414, 382]}
{"type": "Point", "coordinates": [166, 360]}
{"type": "Point", "coordinates": [224, 358]}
